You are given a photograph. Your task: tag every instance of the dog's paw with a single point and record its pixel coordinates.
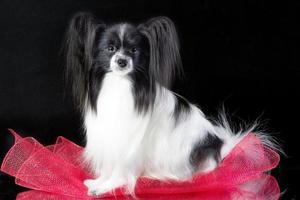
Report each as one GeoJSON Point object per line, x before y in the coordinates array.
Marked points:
{"type": "Point", "coordinates": [93, 186]}
{"type": "Point", "coordinates": [95, 191]}
{"type": "Point", "coordinates": [90, 182]}
{"type": "Point", "coordinates": [97, 187]}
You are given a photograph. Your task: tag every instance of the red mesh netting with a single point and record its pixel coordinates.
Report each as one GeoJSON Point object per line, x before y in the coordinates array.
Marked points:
{"type": "Point", "coordinates": [56, 172]}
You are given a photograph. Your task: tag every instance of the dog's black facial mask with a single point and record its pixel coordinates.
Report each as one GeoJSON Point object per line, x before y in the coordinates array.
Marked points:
{"type": "Point", "coordinates": [122, 50]}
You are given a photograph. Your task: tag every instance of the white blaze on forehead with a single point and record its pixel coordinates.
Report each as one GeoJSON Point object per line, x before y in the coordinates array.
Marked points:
{"type": "Point", "coordinates": [122, 31]}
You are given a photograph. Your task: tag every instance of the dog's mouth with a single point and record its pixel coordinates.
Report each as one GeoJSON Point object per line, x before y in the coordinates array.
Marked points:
{"type": "Point", "coordinates": [123, 68]}
{"type": "Point", "coordinates": [120, 70]}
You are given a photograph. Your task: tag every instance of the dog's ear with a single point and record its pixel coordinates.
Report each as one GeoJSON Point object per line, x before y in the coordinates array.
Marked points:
{"type": "Point", "coordinates": [165, 62]}
{"type": "Point", "coordinates": [79, 51]}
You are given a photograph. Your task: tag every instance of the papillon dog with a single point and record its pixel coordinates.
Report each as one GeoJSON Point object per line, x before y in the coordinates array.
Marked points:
{"type": "Point", "coordinates": [120, 76]}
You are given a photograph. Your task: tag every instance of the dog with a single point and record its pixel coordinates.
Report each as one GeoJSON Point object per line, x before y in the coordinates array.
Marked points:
{"type": "Point", "coordinates": [120, 77]}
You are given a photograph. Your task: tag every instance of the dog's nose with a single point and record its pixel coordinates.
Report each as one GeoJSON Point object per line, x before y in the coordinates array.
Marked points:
{"type": "Point", "coordinates": [122, 62]}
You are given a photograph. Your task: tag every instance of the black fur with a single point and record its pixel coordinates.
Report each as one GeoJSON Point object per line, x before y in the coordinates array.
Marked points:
{"type": "Point", "coordinates": [144, 93]}
{"type": "Point", "coordinates": [208, 147]}
{"type": "Point", "coordinates": [79, 53]}
{"type": "Point", "coordinates": [165, 61]}
{"type": "Point", "coordinates": [96, 76]}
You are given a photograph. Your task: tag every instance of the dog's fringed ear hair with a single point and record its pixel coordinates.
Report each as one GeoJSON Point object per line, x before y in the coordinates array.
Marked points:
{"type": "Point", "coordinates": [79, 50]}
{"type": "Point", "coordinates": [165, 62]}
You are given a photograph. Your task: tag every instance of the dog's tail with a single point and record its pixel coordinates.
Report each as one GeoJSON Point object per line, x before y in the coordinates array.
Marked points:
{"type": "Point", "coordinates": [232, 135]}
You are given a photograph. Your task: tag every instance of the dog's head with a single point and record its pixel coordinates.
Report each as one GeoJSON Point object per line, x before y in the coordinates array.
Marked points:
{"type": "Point", "coordinates": [148, 50]}
{"type": "Point", "coordinates": [122, 49]}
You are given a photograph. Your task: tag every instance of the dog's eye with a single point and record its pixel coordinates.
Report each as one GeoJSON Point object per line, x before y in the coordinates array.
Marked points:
{"type": "Point", "coordinates": [133, 50]}
{"type": "Point", "coordinates": [111, 48]}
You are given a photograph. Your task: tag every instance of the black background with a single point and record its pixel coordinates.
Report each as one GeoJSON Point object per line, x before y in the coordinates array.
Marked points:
{"type": "Point", "coordinates": [243, 54]}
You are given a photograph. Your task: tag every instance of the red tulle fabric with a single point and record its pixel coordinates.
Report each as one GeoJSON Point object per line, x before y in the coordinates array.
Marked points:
{"type": "Point", "coordinates": [56, 172]}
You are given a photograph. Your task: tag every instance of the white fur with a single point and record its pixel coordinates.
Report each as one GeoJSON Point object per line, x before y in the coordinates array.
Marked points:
{"type": "Point", "coordinates": [115, 67]}
{"type": "Point", "coordinates": [123, 145]}
{"type": "Point", "coordinates": [114, 133]}
{"type": "Point", "coordinates": [122, 31]}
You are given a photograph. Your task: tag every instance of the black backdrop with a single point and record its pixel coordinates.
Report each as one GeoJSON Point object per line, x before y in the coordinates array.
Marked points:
{"type": "Point", "coordinates": [240, 53]}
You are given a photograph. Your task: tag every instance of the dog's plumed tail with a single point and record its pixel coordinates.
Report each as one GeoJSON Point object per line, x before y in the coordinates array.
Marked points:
{"type": "Point", "coordinates": [232, 135]}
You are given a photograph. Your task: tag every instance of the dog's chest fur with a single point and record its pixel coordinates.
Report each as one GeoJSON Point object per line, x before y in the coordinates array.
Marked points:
{"type": "Point", "coordinates": [115, 131]}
